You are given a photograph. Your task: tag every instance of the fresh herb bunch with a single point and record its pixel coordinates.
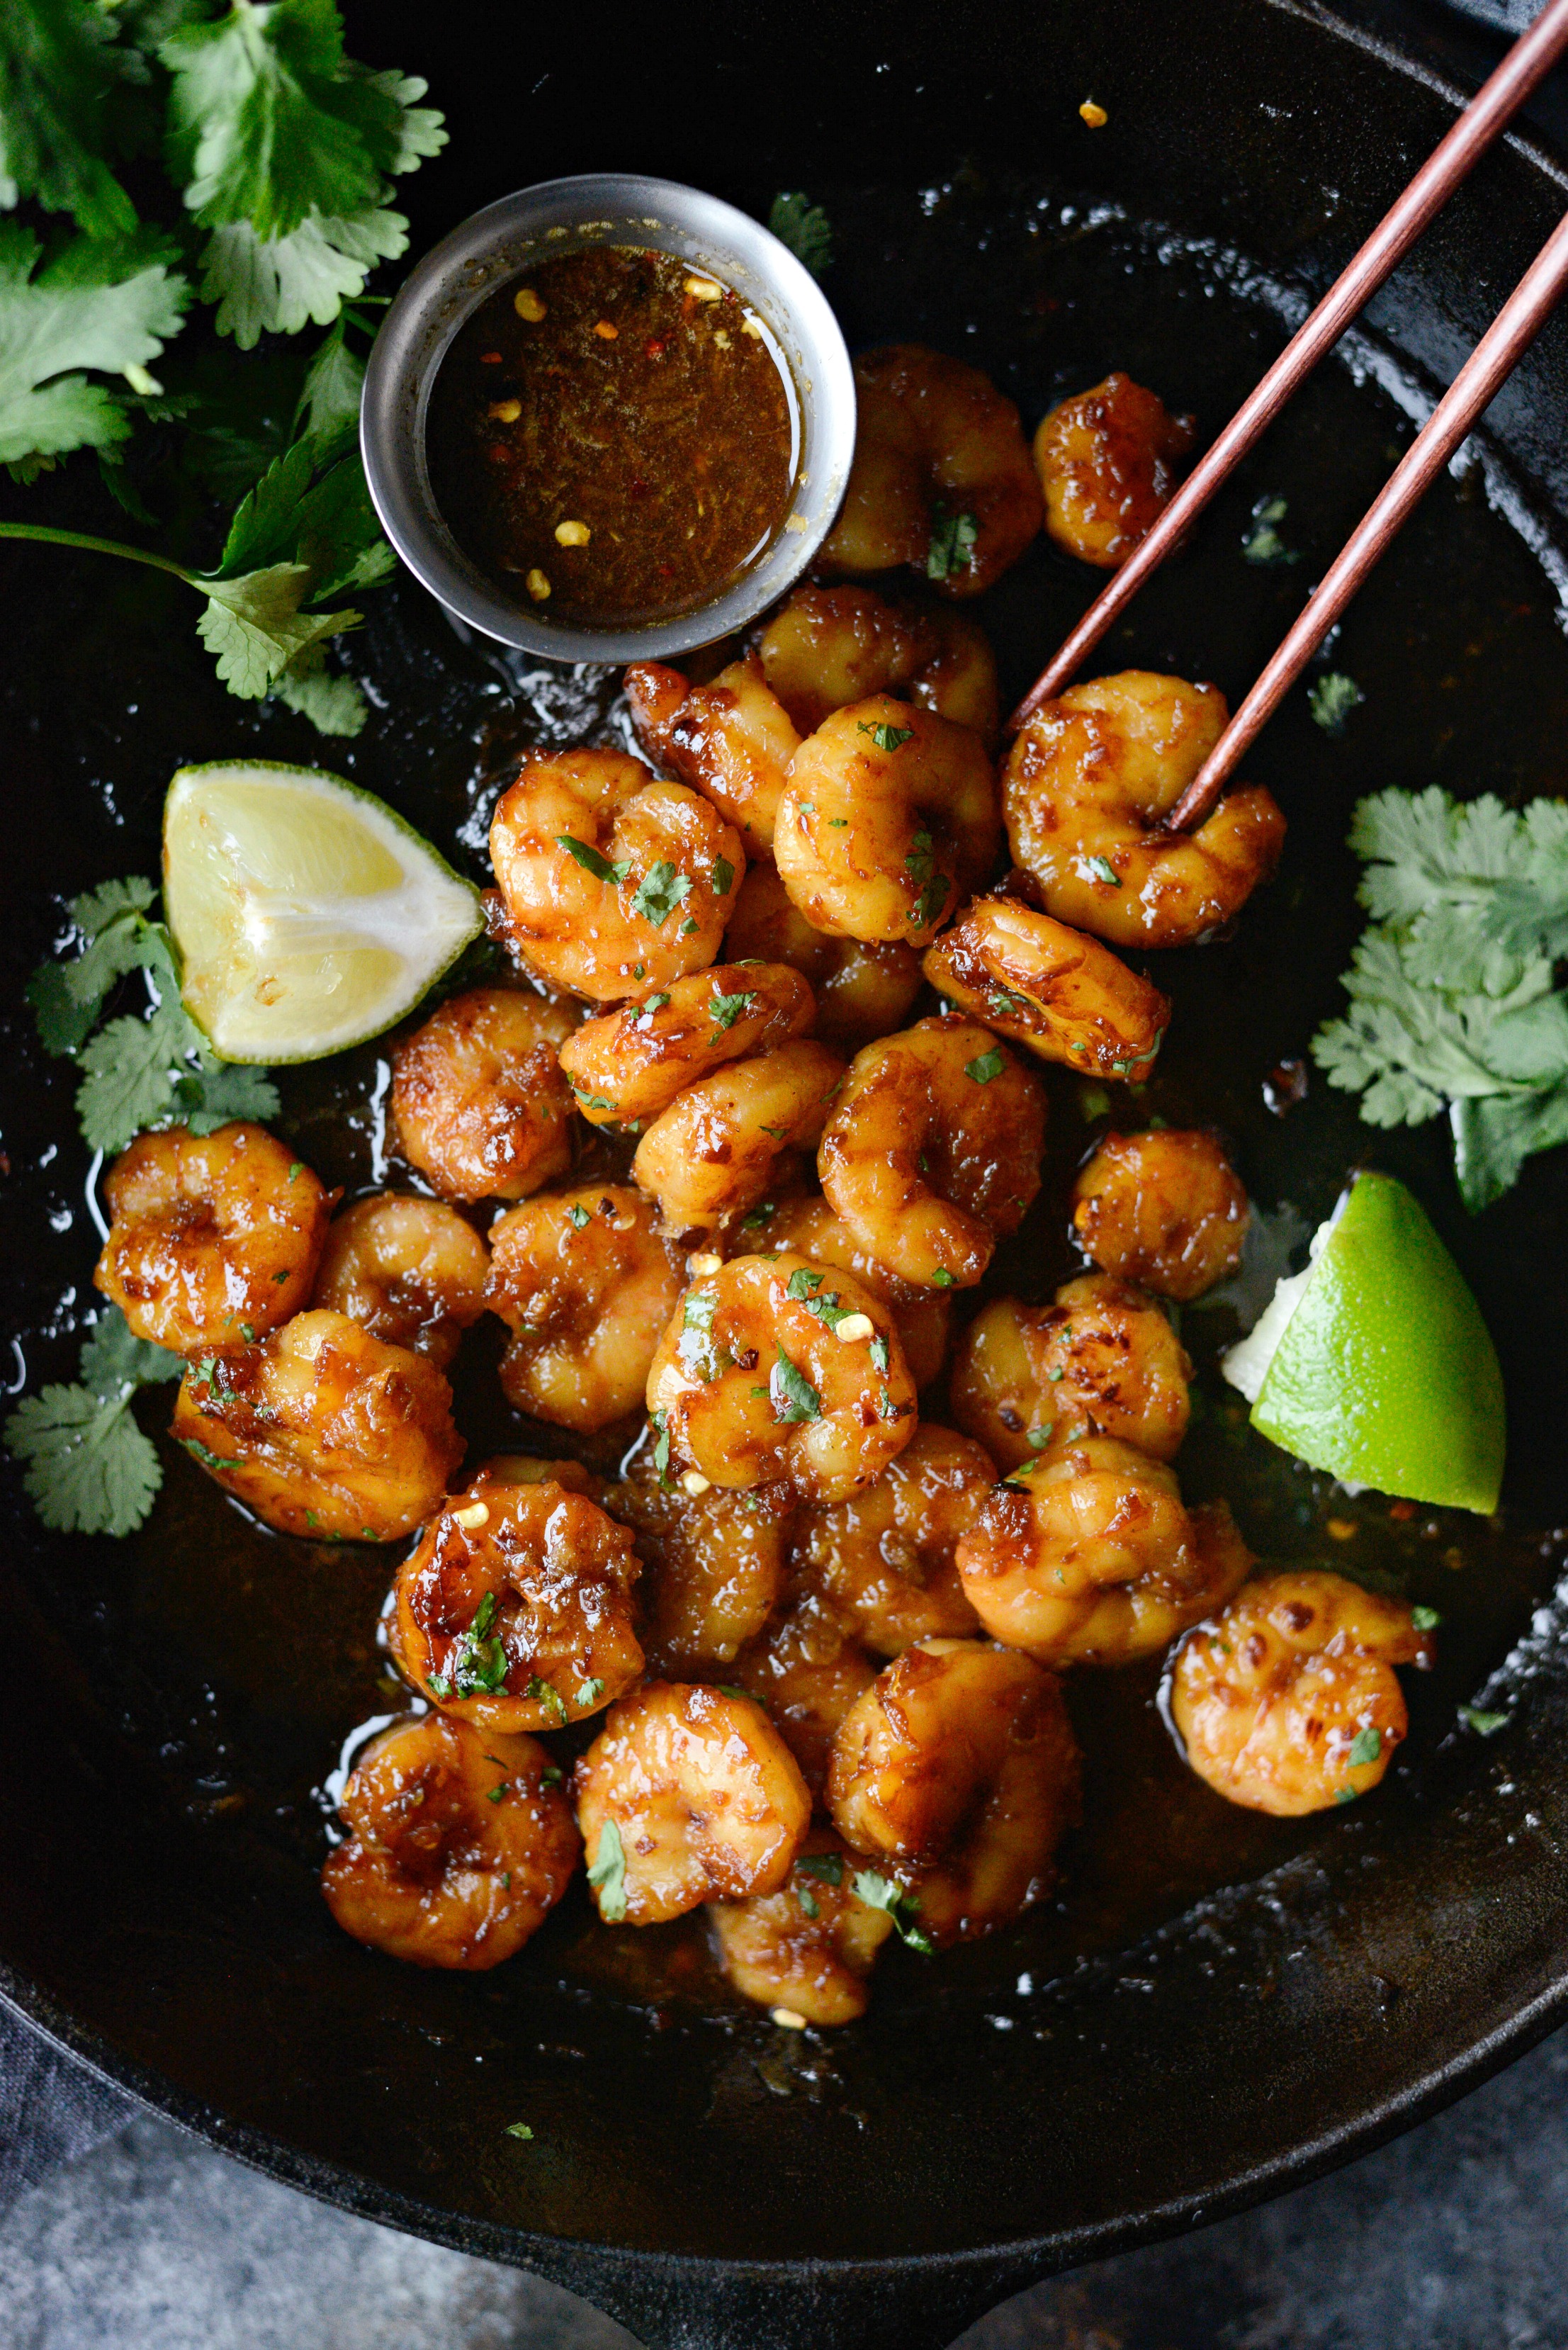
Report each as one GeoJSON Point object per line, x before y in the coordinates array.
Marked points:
{"type": "Point", "coordinates": [1453, 1001]}
{"type": "Point", "coordinates": [138, 1071]}
{"type": "Point", "coordinates": [89, 1468]}
{"type": "Point", "coordinates": [280, 152]}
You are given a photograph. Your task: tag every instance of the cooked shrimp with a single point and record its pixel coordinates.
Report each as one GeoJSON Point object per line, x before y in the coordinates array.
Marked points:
{"type": "Point", "coordinates": [952, 1737]}
{"type": "Point", "coordinates": [861, 991]}
{"type": "Point", "coordinates": [1287, 1701]}
{"type": "Point", "coordinates": [1163, 1209]}
{"type": "Point", "coordinates": [213, 1239]}
{"type": "Point", "coordinates": [411, 1272]}
{"type": "Point", "coordinates": [828, 647]}
{"type": "Point", "coordinates": [886, 1558]}
{"type": "Point", "coordinates": [773, 1370]}
{"type": "Point", "coordinates": [1090, 1556]}
{"type": "Point", "coordinates": [714, 1151]}
{"type": "Point", "coordinates": [1004, 1861]}
{"type": "Point", "coordinates": [807, 1669]}
{"type": "Point", "coordinates": [808, 1947]}
{"type": "Point", "coordinates": [463, 1845]}
{"type": "Point", "coordinates": [479, 1104]}
{"type": "Point", "coordinates": [1057, 991]}
{"type": "Point", "coordinates": [585, 1285]}
{"type": "Point", "coordinates": [932, 1151]}
{"type": "Point", "coordinates": [887, 821]}
{"type": "Point", "coordinates": [809, 1227]}
{"type": "Point", "coordinates": [1106, 461]}
{"type": "Point", "coordinates": [612, 882]}
{"type": "Point", "coordinates": [1084, 790]}
{"type": "Point", "coordinates": [712, 1565]}
{"type": "Point", "coordinates": [627, 1066]}
{"type": "Point", "coordinates": [941, 476]}
{"type": "Point", "coordinates": [731, 740]}
{"type": "Point", "coordinates": [1101, 1360]}
{"type": "Point", "coordinates": [515, 1609]}
{"type": "Point", "coordinates": [687, 1793]}
{"type": "Point", "coordinates": [323, 1429]}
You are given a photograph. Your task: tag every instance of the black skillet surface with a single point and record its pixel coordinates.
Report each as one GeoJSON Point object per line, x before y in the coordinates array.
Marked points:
{"type": "Point", "coordinates": [1217, 2004]}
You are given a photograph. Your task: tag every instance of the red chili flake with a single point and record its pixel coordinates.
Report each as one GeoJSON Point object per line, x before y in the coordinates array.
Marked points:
{"type": "Point", "coordinates": [497, 455]}
{"type": "Point", "coordinates": [1401, 1510]}
{"type": "Point", "coordinates": [665, 570]}
{"type": "Point", "coordinates": [637, 487]}
{"type": "Point", "coordinates": [490, 359]}
{"type": "Point", "coordinates": [655, 348]}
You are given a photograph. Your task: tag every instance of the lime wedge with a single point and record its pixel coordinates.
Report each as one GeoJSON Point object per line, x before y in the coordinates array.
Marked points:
{"type": "Point", "coordinates": [308, 914]}
{"type": "Point", "coordinates": [1374, 1364]}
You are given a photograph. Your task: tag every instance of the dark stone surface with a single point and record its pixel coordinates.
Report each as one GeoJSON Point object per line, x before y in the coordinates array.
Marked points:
{"type": "Point", "coordinates": [1447, 2239]}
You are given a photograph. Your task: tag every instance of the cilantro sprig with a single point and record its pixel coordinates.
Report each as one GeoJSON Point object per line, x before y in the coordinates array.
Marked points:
{"type": "Point", "coordinates": [880, 1892]}
{"type": "Point", "coordinates": [139, 1071]}
{"type": "Point", "coordinates": [88, 1468]}
{"type": "Point", "coordinates": [804, 227]}
{"type": "Point", "coordinates": [1452, 1001]}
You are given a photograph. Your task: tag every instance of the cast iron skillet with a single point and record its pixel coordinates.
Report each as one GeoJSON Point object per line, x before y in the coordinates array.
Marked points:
{"type": "Point", "coordinates": [1013, 2110]}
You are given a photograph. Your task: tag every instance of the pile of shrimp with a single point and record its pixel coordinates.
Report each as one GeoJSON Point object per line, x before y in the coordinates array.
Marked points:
{"type": "Point", "coordinates": [777, 1620]}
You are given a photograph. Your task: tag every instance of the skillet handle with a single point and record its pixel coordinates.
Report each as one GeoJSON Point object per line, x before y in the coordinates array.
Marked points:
{"type": "Point", "coordinates": [688, 2305]}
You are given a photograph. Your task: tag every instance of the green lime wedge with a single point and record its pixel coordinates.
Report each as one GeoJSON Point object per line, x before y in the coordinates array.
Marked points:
{"type": "Point", "coordinates": [1374, 1364]}
{"type": "Point", "coordinates": [308, 914]}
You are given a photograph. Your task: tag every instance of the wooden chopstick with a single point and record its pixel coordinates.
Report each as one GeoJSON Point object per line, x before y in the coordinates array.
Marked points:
{"type": "Point", "coordinates": [1478, 383]}
{"type": "Point", "coordinates": [1532, 57]}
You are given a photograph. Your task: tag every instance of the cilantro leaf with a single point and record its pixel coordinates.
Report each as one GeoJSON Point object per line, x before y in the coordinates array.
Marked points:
{"type": "Point", "coordinates": [128, 1080]}
{"type": "Point", "coordinates": [608, 1875]}
{"type": "Point", "coordinates": [1365, 1747]}
{"type": "Point", "coordinates": [59, 77]}
{"type": "Point", "coordinates": [791, 1393]}
{"type": "Point", "coordinates": [277, 286]}
{"type": "Point", "coordinates": [698, 1349]}
{"type": "Point", "coordinates": [804, 227]}
{"type": "Point", "coordinates": [727, 1009]}
{"type": "Point", "coordinates": [878, 1892]}
{"type": "Point", "coordinates": [255, 627]}
{"type": "Point", "coordinates": [1485, 1725]}
{"type": "Point", "coordinates": [955, 537]}
{"type": "Point", "coordinates": [988, 1065]}
{"type": "Point", "coordinates": [108, 305]}
{"type": "Point", "coordinates": [1425, 1620]}
{"type": "Point", "coordinates": [113, 1361]}
{"type": "Point", "coordinates": [660, 891]}
{"type": "Point", "coordinates": [828, 1865]}
{"type": "Point", "coordinates": [223, 1092]}
{"type": "Point", "coordinates": [1331, 699]}
{"type": "Point", "coordinates": [334, 706]}
{"type": "Point", "coordinates": [886, 738]}
{"type": "Point", "coordinates": [1263, 544]}
{"type": "Point", "coordinates": [87, 1467]}
{"type": "Point", "coordinates": [583, 853]}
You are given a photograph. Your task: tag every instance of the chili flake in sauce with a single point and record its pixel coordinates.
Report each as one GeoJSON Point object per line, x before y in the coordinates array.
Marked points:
{"type": "Point", "coordinates": [611, 435]}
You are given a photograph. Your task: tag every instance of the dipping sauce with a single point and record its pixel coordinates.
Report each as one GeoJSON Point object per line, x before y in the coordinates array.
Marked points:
{"type": "Point", "coordinates": [611, 438]}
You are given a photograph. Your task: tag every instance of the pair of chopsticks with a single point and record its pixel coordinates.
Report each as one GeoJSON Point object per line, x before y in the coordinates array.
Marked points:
{"type": "Point", "coordinates": [1477, 383]}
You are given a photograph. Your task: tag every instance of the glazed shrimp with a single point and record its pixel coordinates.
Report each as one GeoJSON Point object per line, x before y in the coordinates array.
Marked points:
{"type": "Point", "coordinates": [479, 1103]}
{"type": "Point", "coordinates": [886, 1558]}
{"type": "Point", "coordinates": [807, 1949]}
{"type": "Point", "coordinates": [713, 1152]}
{"type": "Point", "coordinates": [514, 1611]}
{"type": "Point", "coordinates": [887, 821]}
{"type": "Point", "coordinates": [612, 882]}
{"type": "Point", "coordinates": [1102, 1360]}
{"type": "Point", "coordinates": [807, 1669]}
{"type": "Point", "coordinates": [1090, 1556]}
{"type": "Point", "coordinates": [776, 1369]}
{"type": "Point", "coordinates": [213, 1239]}
{"type": "Point", "coordinates": [861, 991]}
{"type": "Point", "coordinates": [1287, 1701]}
{"type": "Point", "coordinates": [1057, 990]}
{"type": "Point", "coordinates": [1163, 1209]}
{"type": "Point", "coordinates": [950, 1740]}
{"type": "Point", "coordinates": [810, 1227]}
{"type": "Point", "coordinates": [828, 647]}
{"type": "Point", "coordinates": [687, 1793]}
{"type": "Point", "coordinates": [1085, 789]}
{"type": "Point", "coordinates": [462, 1844]}
{"type": "Point", "coordinates": [411, 1272]}
{"type": "Point", "coordinates": [941, 476]}
{"type": "Point", "coordinates": [629, 1065]}
{"type": "Point", "coordinates": [712, 1565]}
{"type": "Point", "coordinates": [585, 1285]}
{"type": "Point", "coordinates": [323, 1431]}
{"type": "Point", "coordinates": [1106, 461]}
{"type": "Point", "coordinates": [933, 1150]}
{"type": "Point", "coordinates": [731, 740]}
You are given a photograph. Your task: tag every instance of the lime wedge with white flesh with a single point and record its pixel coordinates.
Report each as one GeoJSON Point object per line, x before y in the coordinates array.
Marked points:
{"type": "Point", "coordinates": [1374, 1364]}
{"type": "Point", "coordinates": [308, 914]}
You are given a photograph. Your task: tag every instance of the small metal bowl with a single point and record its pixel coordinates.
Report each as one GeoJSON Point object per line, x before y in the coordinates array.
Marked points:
{"type": "Point", "coordinates": [539, 223]}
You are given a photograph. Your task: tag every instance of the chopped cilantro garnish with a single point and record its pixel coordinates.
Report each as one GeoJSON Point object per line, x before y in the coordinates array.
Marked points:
{"type": "Point", "coordinates": [1331, 699]}
{"type": "Point", "coordinates": [791, 1393]}
{"type": "Point", "coordinates": [1365, 1747]}
{"type": "Point", "coordinates": [724, 876]}
{"type": "Point", "coordinates": [880, 1354]}
{"type": "Point", "coordinates": [476, 1664]}
{"type": "Point", "coordinates": [878, 1892]}
{"type": "Point", "coordinates": [608, 1875]}
{"type": "Point", "coordinates": [545, 1693]}
{"type": "Point", "coordinates": [589, 858]}
{"type": "Point", "coordinates": [804, 227]}
{"type": "Point", "coordinates": [757, 1215]}
{"type": "Point", "coordinates": [989, 1064]}
{"type": "Point", "coordinates": [726, 1010]}
{"type": "Point", "coordinates": [803, 1282]}
{"type": "Point", "coordinates": [886, 738]}
{"type": "Point", "coordinates": [1263, 543]}
{"type": "Point", "coordinates": [1425, 1620]}
{"type": "Point", "coordinates": [518, 2130]}
{"type": "Point", "coordinates": [1485, 1725]}
{"type": "Point", "coordinates": [661, 890]}
{"type": "Point", "coordinates": [942, 1277]}
{"type": "Point", "coordinates": [828, 1865]}
{"type": "Point", "coordinates": [590, 1691]}
{"type": "Point", "coordinates": [954, 538]}
{"type": "Point", "coordinates": [1103, 870]}
{"type": "Point", "coordinates": [578, 1214]}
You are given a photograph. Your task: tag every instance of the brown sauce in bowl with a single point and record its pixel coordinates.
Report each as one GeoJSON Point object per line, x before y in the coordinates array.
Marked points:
{"type": "Point", "coordinates": [611, 438]}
